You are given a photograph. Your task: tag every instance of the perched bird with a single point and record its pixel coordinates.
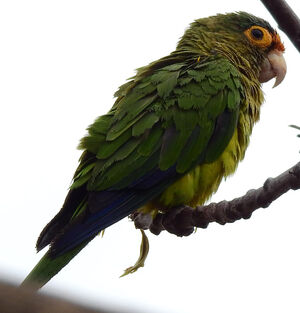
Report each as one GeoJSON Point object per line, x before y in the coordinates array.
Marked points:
{"type": "Point", "coordinates": [179, 126]}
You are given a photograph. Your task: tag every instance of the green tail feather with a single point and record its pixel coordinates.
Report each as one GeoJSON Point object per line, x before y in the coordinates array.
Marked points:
{"type": "Point", "coordinates": [49, 267]}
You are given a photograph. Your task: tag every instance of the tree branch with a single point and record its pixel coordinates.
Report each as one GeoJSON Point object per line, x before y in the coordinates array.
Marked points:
{"type": "Point", "coordinates": [286, 18]}
{"type": "Point", "coordinates": [20, 300]}
{"type": "Point", "coordinates": [182, 220]}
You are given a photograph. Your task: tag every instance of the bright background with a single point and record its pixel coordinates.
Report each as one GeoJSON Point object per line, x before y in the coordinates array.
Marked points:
{"type": "Point", "coordinates": [60, 63]}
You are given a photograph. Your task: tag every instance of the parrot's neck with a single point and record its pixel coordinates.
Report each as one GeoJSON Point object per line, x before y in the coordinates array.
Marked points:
{"type": "Point", "coordinates": [199, 39]}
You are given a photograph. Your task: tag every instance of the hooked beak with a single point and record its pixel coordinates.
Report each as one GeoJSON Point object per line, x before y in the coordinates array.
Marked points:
{"type": "Point", "coordinates": [273, 66]}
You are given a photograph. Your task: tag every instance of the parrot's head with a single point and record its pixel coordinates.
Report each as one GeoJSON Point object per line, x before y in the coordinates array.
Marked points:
{"type": "Point", "coordinates": [249, 42]}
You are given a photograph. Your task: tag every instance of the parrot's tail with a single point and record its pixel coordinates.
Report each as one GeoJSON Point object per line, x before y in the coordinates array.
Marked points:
{"type": "Point", "coordinates": [49, 267]}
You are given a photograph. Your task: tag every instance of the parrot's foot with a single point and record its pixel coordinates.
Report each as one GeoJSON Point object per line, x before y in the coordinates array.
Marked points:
{"type": "Point", "coordinates": [177, 221]}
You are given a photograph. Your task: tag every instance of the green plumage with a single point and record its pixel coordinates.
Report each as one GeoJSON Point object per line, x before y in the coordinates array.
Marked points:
{"type": "Point", "coordinates": [205, 94]}
{"type": "Point", "coordinates": [174, 131]}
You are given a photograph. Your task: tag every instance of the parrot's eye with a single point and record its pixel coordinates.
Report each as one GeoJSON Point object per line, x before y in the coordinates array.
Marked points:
{"type": "Point", "coordinates": [257, 33]}
{"type": "Point", "coordinates": [259, 36]}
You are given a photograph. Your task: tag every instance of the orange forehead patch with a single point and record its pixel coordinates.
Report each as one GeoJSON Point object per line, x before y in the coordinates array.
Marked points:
{"type": "Point", "coordinates": [277, 43]}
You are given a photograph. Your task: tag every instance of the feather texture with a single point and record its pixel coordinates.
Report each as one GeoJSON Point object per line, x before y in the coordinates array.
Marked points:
{"type": "Point", "coordinates": [176, 129]}
{"type": "Point", "coordinates": [122, 165]}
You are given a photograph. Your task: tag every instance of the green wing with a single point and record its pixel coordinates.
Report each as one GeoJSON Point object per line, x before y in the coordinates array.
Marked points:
{"type": "Point", "coordinates": [175, 114]}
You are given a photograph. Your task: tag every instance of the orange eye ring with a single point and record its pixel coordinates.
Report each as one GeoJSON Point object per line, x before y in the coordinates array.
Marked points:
{"type": "Point", "coordinates": [259, 36]}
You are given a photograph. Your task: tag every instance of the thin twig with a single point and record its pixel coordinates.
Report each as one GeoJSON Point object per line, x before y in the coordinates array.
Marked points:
{"type": "Point", "coordinates": [286, 18]}
{"type": "Point", "coordinates": [182, 220]}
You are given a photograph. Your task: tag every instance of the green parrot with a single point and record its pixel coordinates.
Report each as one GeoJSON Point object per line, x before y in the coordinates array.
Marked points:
{"type": "Point", "coordinates": [176, 129]}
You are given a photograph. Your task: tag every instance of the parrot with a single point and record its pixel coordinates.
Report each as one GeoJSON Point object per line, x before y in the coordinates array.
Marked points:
{"type": "Point", "coordinates": [175, 130]}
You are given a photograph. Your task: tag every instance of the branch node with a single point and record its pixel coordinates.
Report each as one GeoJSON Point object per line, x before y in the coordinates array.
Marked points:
{"type": "Point", "coordinates": [220, 212]}
{"type": "Point", "coordinates": [232, 213]}
{"type": "Point", "coordinates": [295, 171]}
{"type": "Point", "coordinates": [268, 184]}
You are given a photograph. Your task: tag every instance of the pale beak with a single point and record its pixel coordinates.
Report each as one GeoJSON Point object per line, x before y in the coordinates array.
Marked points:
{"type": "Point", "coordinates": [273, 66]}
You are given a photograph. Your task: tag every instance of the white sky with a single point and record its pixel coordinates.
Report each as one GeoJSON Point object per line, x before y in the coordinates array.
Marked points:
{"type": "Point", "coordinates": [60, 63]}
